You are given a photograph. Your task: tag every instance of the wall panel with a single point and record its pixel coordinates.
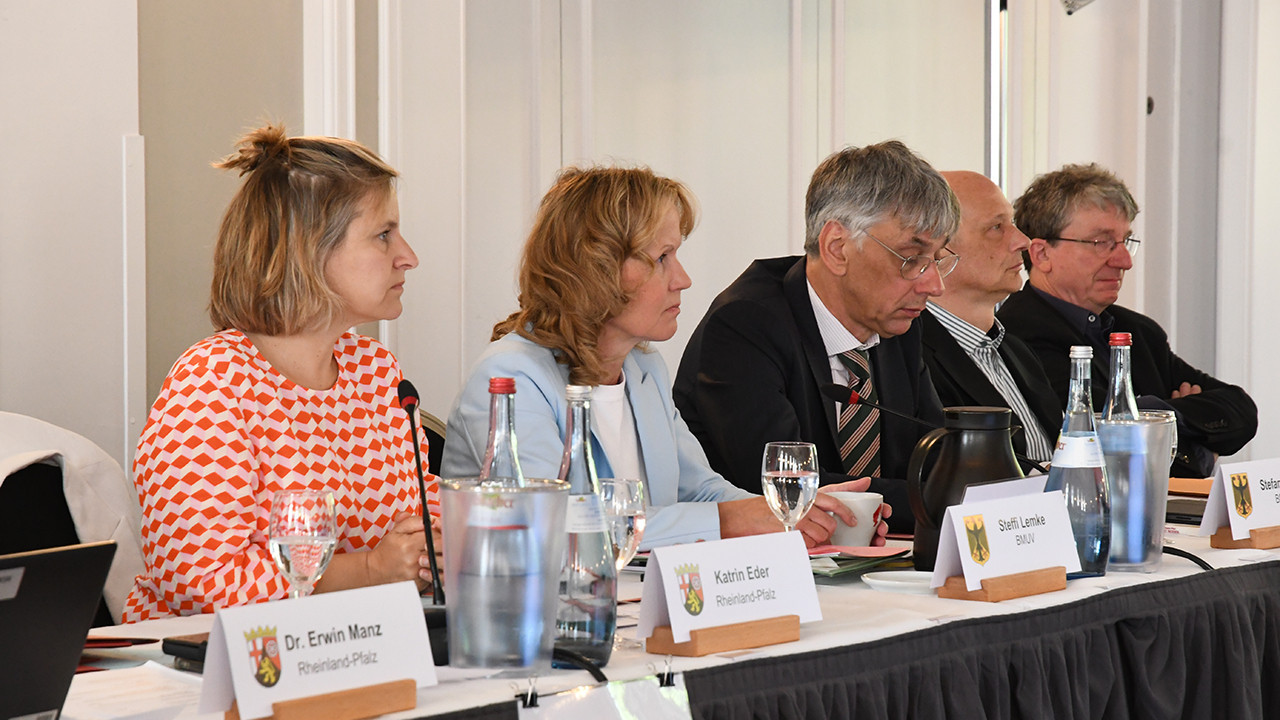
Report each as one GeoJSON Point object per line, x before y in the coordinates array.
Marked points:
{"type": "Point", "coordinates": [915, 71]}
{"type": "Point", "coordinates": [700, 92]}
{"type": "Point", "coordinates": [69, 79]}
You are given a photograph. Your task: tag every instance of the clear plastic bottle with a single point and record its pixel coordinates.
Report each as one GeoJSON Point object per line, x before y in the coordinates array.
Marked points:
{"type": "Point", "coordinates": [1079, 471]}
{"type": "Point", "coordinates": [587, 614]}
{"type": "Point", "coordinates": [501, 465]}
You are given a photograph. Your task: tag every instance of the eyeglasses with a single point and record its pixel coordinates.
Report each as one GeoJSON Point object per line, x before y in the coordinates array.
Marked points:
{"type": "Point", "coordinates": [1106, 245]}
{"type": "Point", "coordinates": [914, 266]}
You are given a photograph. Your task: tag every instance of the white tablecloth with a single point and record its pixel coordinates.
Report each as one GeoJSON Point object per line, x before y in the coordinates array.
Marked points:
{"type": "Point", "coordinates": [852, 613]}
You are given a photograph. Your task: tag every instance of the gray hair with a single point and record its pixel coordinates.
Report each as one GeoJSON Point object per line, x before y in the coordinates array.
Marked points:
{"type": "Point", "coordinates": [860, 187]}
{"type": "Point", "coordinates": [1047, 206]}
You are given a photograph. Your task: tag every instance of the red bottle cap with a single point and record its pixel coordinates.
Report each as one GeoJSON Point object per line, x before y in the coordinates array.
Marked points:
{"type": "Point", "coordinates": [502, 386]}
{"type": "Point", "coordinates": [1121, 339]}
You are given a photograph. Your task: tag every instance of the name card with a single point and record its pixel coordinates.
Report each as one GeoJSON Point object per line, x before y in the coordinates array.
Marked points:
{"type": "Point", "coordinates": [1004, 488]}
{"type": "Point", "coordinates": [1001, 537]}
{"type": "Point", "coordinates": [1246, 495]}
{"type": "Point", "coordinates": [708, 584]}
{"type": "Point", "coordinates": [288, 649]}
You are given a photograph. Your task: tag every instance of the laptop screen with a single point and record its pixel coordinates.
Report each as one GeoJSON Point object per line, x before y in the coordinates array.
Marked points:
{"type": "Point", "coordinates": [47, 602]}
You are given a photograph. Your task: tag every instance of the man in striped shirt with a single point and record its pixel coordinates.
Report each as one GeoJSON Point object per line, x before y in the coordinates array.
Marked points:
{"type": "Point", "coordinates": [971, 358]}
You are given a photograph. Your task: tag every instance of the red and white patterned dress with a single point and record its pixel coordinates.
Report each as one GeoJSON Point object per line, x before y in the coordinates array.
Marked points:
{"type": "Point", "coordinates": [228, 431]}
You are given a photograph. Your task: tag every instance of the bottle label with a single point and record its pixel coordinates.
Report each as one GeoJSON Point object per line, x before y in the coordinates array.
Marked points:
{"type": "Point", "coordinates": [585, 514]}
{"type": "Point", "coordinates": [1078, 451]}
{"type": "Point", "coordinates": [496, 511]}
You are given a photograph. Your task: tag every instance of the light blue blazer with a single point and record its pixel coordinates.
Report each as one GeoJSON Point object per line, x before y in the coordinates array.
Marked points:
{"type": "Point", "coordinates": [683, 489]}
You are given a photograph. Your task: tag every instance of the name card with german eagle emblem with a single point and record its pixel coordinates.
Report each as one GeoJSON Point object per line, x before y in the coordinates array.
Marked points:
{"type": "Point", "coordinates": [1245, 496]}
{"type": "Point", "coordinates": [1005, 536]}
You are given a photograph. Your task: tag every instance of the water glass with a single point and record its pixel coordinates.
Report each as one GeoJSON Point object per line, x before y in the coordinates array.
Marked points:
{"type": "Point", "coordinates": [624, 505]}
{"type": "Point", "coordinates": [1137, 455]}
{"type": "Point", "coordinates": [302, 533]}
{"type": "Point", "coordinates": [789, 476]}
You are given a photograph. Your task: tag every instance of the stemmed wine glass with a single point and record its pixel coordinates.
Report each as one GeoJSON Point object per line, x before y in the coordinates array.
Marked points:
{"type": "Point", "coordinates": [624, 503]}
{"type": "Point", "coordinates": [789, 474]}
{"type": "Point", "coordinates": [302, 533]}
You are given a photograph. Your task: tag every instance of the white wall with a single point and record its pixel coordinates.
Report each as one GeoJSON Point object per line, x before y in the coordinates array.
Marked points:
{"type": "Point", "coordinates": [196, 99]}
{"type": "Point", "coordinates": [1180, 236]}
{"type": "Point", "coordinates": [1265, 346]}
{"type": "Point", "coordinates": [69, 83]}
{"type": "Point", "coordinates": [1249, 186]}
{"type": "Point", "coordinates": [915, 70]}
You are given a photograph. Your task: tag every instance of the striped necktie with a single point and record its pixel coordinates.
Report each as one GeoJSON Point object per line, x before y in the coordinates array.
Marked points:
{"type": "Point", "coordinates": [858, 429]}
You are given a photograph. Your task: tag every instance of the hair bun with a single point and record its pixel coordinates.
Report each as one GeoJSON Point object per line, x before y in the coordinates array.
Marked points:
{"type": "Point", "coordinates": [258, 147]}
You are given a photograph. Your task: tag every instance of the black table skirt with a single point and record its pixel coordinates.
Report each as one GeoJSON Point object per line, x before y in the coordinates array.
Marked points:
{"type": "Point", "coordinates": [1205, 646]}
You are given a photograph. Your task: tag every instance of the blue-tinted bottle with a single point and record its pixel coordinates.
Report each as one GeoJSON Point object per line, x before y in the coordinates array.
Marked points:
{"type": "Point", "coordinates": [1079, 471]}
{"type": "Point", "coordinates": [587, 614]}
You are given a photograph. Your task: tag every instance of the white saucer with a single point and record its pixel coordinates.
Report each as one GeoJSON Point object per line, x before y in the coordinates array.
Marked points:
{"type": "Point", "coordinates": [914, 582]}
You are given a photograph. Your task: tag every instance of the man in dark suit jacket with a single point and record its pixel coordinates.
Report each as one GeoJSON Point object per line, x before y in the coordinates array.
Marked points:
{"type": "Point", "coordinates": [1079, 220]}
{"type": "Point", "coordinates": [877, 222]}
{"type": "Point", "coordinates": [971, 359]}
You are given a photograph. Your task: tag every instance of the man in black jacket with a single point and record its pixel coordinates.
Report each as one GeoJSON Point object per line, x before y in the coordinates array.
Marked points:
{"type": "Point", "coordinates": [971, 358]}
{"type": "Point", "coordinates": [763, 363]}
{"type": "Point", "coordinates": [1078, 219]}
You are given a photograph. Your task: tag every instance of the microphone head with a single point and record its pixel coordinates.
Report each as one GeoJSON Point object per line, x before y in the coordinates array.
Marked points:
{"type": "Point", "coordinates": [408, 395]}
{"type": "Point", "coordinates": [841, 393]}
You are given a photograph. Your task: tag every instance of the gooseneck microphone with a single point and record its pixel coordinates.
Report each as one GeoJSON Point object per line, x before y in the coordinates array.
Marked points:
{"type": "Point", "coordinates": [409, 401]}
{"type": "Point", "coordinates": [848, 396]}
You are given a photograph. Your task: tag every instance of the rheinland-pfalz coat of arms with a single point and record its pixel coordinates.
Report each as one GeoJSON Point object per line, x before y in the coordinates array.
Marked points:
{"type": "Point", "coordinates": [264, 653]}
{"type": "Point", "coordinates": [976, 530]}
{"type": "Point", "coordinates": [1243, 500]}
{"type": "Point", "coordinates": [690, 588]}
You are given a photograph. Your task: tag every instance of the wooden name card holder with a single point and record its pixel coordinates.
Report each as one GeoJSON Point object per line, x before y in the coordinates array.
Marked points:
{"type": "Point", "coordinates": [722, 638]}
{"type": "Point", "coordinates": [1007, 587]}
{"type": "Point", "coordinates": [353, 704]}
{"type": "Point", "coordinates": [1263, 538]}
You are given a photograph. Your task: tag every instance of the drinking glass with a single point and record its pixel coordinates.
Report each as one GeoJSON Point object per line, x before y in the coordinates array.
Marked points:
{"type": "Point", "coordinates": [789, 474]}
{"type": "Point", "coordinates": [1173, 452]}
{"type": "Point", "coordinates": [624, 505]}
{"type": "Point", "coordinates": [302, 533]}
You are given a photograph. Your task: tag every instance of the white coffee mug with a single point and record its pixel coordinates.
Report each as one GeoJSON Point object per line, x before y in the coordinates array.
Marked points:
{"type": "Point", "coordinates": [866, 508]}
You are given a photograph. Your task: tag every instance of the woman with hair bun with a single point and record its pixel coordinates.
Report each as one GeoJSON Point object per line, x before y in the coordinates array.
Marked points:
{"type": "Point", "coordinates": [599, 280]}
{"type": "Point", "coordinates": [284, 395]}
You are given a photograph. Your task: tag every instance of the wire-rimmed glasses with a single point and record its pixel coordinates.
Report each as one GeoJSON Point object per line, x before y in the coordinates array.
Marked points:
{"type": "Point", "coordinates": [1106, 245]}
{"type": "Point", "coordinates": [916, 265]}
